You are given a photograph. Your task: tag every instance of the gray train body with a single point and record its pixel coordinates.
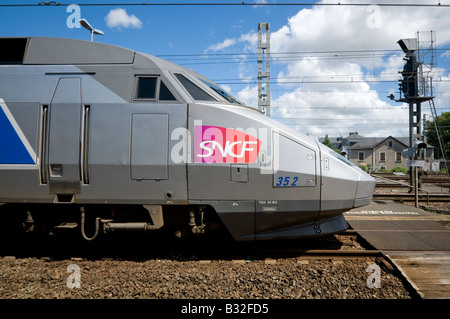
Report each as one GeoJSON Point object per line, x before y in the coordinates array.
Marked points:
{"type": "Point", "coordinates": [98, 129]}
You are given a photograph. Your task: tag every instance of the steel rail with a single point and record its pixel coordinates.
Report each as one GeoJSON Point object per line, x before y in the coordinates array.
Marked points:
{"type": "Point", "coordinates": [411, 197]}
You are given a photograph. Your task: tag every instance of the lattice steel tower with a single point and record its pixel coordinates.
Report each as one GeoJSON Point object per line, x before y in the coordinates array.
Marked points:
{"type": "Point", "coordinates": [264, 75]}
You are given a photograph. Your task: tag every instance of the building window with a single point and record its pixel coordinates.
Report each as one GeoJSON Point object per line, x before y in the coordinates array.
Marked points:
{"type": "Point", "coordinates": [391, 144]}
{"type": "Point", "coordinates": [382, 157]}
{"type": "Point", "coordinates": [361, 156]}
{"type": "Point", "coordinates": [398, 157]}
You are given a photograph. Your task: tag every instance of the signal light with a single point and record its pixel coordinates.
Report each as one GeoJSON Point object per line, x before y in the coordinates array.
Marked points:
{"type": "Point", "coordinates": [408, 45]}
{"type": "Point", "coordinates": [408, 85]}
{"type": "Point", "coordinates": [419, 144]}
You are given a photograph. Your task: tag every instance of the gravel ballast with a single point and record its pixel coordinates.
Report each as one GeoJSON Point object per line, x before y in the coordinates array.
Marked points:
{"type": "Point", "coordinates": [109, 278]}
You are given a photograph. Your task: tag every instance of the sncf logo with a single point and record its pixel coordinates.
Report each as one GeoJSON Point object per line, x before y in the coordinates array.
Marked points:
{"type": "Point", "coordinates": [215, 144]}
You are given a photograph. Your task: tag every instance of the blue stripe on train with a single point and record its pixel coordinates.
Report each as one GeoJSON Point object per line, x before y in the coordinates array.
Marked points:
{"type": "Point", "coordinates": [12, 150]}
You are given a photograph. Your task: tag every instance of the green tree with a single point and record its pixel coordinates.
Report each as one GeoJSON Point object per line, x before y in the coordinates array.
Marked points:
{"type": "Point", "coordinates": [443, 122]}
{"type": "Point", "coordinates": [327, 142]}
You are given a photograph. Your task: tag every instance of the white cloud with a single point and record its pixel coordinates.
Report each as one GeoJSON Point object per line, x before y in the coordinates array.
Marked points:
{"type": "Point", "coordinates": [339, 111]}
{"type": "Point", "coordinates": [393, 64]}
{"type": "Point", "coordinates": [223, 45]}
{"type": "Point", "coordinates": [249, 39]}
{"type": "Point", "coordinates": [118, 18]}
{"type": "Point", "coordinates": [349, 28]}
{"type": "Point", "coordinates": [260, 2]}
{"type": "Point", "coordinates": [330, 65]}
{"type": "Point", "coordinates": [249, 95]}
{"type": "Point", "coordinates": [441, 88]}
{"type": "Point", "coordinates": [334, 90]}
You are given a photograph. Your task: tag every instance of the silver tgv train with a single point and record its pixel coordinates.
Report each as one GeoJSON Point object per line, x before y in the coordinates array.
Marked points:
{"type": "Point", "coordinates": [98, 136]}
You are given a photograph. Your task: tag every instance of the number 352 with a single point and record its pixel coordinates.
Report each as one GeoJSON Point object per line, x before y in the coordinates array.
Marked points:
{"type": "Point", "coordinates": [286, 181]}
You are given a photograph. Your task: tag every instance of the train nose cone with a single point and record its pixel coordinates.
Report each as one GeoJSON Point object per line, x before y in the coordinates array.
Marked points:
{"type": "Point", "coordinates": [366, 186]}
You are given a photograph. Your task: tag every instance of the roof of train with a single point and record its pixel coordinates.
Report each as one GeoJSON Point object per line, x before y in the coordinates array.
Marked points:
{"type": "Point", "coordinates": [60, 51]}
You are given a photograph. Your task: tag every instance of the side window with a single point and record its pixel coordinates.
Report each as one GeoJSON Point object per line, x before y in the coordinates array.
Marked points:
{"type": "Point", "coordinates": [196, 92]}
{"type": "Point", "coordinates": [153, 88]}
{"type": "Point", "coordinates": [146, 87]}
{"type": "Point", "coordinates": [165, 94]}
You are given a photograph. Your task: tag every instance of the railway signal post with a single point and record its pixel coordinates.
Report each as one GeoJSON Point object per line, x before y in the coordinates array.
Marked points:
{"type": "Point", "coordinates": [410, 93]}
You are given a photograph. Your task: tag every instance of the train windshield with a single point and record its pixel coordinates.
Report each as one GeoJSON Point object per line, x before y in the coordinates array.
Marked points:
{"type": "Point", "coordinates": [196, 92]}
{"type": "Point", "coordinates": [226, 95]}
{"type": "Point", "coordinates": [342, 158]}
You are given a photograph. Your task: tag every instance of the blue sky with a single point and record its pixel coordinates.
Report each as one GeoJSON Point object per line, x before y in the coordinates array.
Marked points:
{"type": "Point", "coordinates": [332, 67]}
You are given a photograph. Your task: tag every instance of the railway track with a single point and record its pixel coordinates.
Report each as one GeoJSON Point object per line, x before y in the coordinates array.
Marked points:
{"type": "Point", "coordinates": [443, 198]}
{"type": "Point", "coordinates": [383, 180]}
{"type": "Point", "coordinates": [401, 190]}
{"type": "Point", "coordinates": [344, 245]}
{"type": "Point", "coordinates": [406, 185]}
{"type": "Point", "coordinates": [405, 177]}
{"type": "Point", "coordinates": [339, 254]}
{"type": "Point", "coordinates": [347, 245]}
{"type": "Point", "coordinates": [331, 267]}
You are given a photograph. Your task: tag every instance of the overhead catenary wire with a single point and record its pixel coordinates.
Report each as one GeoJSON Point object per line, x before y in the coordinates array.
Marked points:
{"type": "Point", "coordinates": [194, 57]}
{"type": "Point", "coordinates": [241, 58]}
{"type": "Point", "coordinates": [42, 3]}
{"type": "Point", "coordinates": [280, 57]}
{"type": "Point", "coordinates": [247, 81]}
{"type": "Point", "coordinates": [316, 80]}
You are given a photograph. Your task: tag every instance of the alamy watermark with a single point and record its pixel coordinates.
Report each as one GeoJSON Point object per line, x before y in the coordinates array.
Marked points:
{"type": "Point", "coordinates": [74, 279]}
{"type": "Point", "coordinates": [374, 279]}
{"type": "Point", "coordinates": [73, 20]}
{"type": "Point", "coordinates": [373, 21]}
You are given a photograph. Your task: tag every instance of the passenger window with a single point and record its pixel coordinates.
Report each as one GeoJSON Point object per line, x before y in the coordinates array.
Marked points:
{"type": "Point", "coordinates": [147, 88]}
{"type": "Point", "coordinates": [196, 92]}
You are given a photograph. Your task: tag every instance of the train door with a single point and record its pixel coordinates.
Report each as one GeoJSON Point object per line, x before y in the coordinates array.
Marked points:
{"type": "Point", "coordinates": [149, 151]}
{"type": "Point", "coordinates": [63, 140]}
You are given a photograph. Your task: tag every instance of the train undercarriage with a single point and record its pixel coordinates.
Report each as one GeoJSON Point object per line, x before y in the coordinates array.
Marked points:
{"type": "Point", "coordinates": [91, 222]}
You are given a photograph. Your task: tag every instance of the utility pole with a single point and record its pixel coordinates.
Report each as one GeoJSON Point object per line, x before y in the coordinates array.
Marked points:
{"type": "Point", "coordinates": [264, 75]}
